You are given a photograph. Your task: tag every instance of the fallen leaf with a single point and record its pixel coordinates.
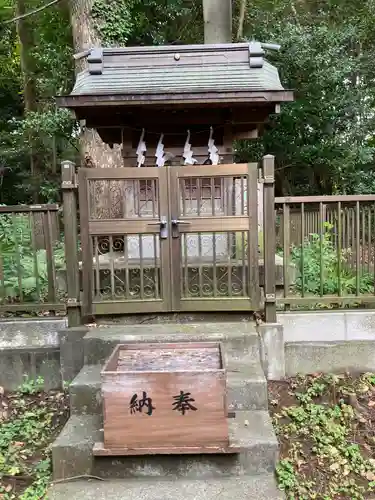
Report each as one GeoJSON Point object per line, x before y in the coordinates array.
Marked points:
{"type": "Point", "coordinates": [8, 488]}
{"type": "Point", "coordinates": [363, 388]}
{"type": "Point", "coordinates": [371, 403]}
{"type": "Point", "coordinates": [274, 402]}
{"type": "Point", "coordinates": [370, 476]}
{"type": "Point", "coordinates": [346, 471]}
{"type": "Point", "coordinates": [1, 391]}
{"type": "Point", "coordinates": [334, 467]}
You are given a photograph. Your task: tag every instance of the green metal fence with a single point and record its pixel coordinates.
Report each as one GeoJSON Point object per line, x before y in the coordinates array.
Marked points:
{"type": "Point", "coordinates": [327, 247]}
{"type": "Point", "coordinates": [32, 262]}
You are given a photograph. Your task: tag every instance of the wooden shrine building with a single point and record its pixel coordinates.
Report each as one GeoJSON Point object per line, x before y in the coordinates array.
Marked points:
{"type": "Point", "coordinates": [176, 228]}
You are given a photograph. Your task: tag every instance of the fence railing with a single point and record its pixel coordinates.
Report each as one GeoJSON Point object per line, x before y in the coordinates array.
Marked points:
{"type": "Point", "coordinates": [32, 259]}
{"type": "Point", "coordinates": [327, 247]}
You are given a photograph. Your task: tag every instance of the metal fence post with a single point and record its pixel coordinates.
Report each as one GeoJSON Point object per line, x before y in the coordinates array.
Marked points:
{"type": "Point", "coordinates": [269, 238]}
{"type": "Point", "coordinates": [69, 187]}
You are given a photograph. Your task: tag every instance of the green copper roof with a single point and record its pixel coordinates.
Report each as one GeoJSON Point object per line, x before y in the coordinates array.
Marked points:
{"type": "Point", "coordinates": [175, 70]}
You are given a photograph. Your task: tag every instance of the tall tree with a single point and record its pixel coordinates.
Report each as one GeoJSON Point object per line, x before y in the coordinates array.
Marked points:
{"type": "Point", "coordinates": [27, 45]}
{"type": "Point", "coordinates": [323, 142]}
{"type": "Point", "coordinates": [129, 22]}
{"type": "Point", "coordinates": [35, 57]}
{"type": "Point", "coordinates": [87, 35]}
{"type": "Point", "coordinates": [217, 21]}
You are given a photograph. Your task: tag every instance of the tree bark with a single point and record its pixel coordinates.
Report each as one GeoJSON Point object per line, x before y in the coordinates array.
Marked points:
{"type": "Point", "coordinates": [241, 20]}
{"type": "Point", "coordinates": [94, 152]}
{"type": "Point", "coordinates": [217, 15]}
{"type": "Point", "coordinates": [25, 35]}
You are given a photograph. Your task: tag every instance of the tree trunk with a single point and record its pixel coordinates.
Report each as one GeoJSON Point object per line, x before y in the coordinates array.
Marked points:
{"type": "Point", "coordinates": [94, 152]}
{"type": "Point", "coordinates": [25, 35]}
{"type": "Point", "coordinates": [217, 16]}
{"type": "Point", "coordinates": [241, 20]}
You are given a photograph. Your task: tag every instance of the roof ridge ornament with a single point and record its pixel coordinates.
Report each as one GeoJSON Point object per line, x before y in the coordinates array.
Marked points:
{"type": "Point", "coordinates": [256, 52]}
{"type": "Point", "coordinates": [95, 60]}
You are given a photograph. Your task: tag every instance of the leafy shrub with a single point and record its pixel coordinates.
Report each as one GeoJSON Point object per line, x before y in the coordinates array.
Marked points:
{"type": "Point", "coordinates": [21, 264]}
{"type": "Point", "coordinates": [318, 256]}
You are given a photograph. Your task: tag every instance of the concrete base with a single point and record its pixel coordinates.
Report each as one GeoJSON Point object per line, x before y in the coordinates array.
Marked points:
{"type": "Point", "coordinates": [328, 341]}
{"type": "Point", "coordinates": [71, 351]}
{"type": "Point", "coordinates": [240, 339]}
{"type": "Point", "coordinates": [30, 348]}
{"type": "Point", "coordinates": [271, 347]}
{"type": "Point", "coordinates": [72, 450]}
{"type": "Point", "coordinates": [262, 487]}
{"type": "Point", "coordinates": [329, 357]}
{"type": "Point", "coordinates": [328, 326]}
{"type": "Point", "coordinates": [252, 431]}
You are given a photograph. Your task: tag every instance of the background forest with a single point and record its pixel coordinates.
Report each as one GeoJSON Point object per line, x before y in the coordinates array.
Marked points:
{"type": "Point", "coordinates": [323, 142]}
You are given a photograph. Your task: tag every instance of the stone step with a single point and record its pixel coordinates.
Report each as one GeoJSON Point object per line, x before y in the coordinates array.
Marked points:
{"type": "Point", "coordinates": [240, 339]}
{"type": "Point", "coordinates": [250, 430]}
{"type": "Point", "coordinates": [262, 487]}
{"type": "Point", "coordinates": [246, 389]}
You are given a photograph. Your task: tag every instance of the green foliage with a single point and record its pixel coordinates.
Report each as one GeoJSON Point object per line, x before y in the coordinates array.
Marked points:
{"type": "Point", "coordinates": [323, 142]}
{"type": "Point", "coordinates": [322, 458]}
{"type": "Point", "coordinates": [318, 258]}
{"type": "Point", "coordinates": [113, 21]}
{"type": "Point", "coordinates": [21, 263]}
{"type": "Point", "coordinates": [28, 422]}
{"type": "Point", "coordinates": [31, 386]}
{"type": "Point", "coordinates": [48, 130]}
{"type": "Point", "coordinates": [148, 22]}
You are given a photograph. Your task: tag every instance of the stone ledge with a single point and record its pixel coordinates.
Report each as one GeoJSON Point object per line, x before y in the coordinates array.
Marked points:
{"type": "Point", "coordinates": [262, 487]}
{"type": "Point", "coordinates": [252, 430]}
{"type": "Point", "coordinates": [329, 357]}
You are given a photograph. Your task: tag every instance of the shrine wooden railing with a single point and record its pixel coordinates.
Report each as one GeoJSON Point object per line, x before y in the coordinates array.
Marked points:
{"type": "Point", "coordinates": [327, 248]}
{"type": "Point", "coordinates": [31, 257]}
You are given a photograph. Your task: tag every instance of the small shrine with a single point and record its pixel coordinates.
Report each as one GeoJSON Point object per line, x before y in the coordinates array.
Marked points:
{"type": "Point", "coordinates": [177, 105]}
{"type": "Point", "coordinates": [176, 228]}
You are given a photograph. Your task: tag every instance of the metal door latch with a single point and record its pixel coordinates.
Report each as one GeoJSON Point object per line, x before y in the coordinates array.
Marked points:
{"type": "Point", "coordinates": [175, 223]}
{"type": "Point", "coordinates": [163, 224]}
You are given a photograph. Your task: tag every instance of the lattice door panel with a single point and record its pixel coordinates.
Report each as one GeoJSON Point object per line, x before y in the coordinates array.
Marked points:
{"type": "Point", "coordinates": [125, 239]}
{"type": "Point", "coordinates": [214, 237]}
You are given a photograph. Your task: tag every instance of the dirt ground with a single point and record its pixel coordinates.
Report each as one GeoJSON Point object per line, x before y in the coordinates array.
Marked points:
{"type": "Point", "coordinates": [326, 429]}
{"type": "Point", "coordinates": [30, 419]}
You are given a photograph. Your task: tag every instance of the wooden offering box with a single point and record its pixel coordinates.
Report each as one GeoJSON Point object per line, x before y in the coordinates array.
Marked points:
{"type": "Point", "coordinates": [164, 398]}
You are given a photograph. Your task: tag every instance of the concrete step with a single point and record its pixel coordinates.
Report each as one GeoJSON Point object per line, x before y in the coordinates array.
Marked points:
{"type": "Point", "coordinates": [250, 430]}
{"type": "Point", "coordinates": [240, 338]}
{"type": "Point", "coordinates": [262, 487]}
{"type": "Point", "coordinates": [246, 389]}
